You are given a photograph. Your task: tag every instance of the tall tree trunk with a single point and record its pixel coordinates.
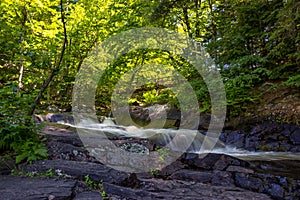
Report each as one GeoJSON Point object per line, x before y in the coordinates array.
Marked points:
{"type": "Point", "coordinates": [186, 20]}
{"type": "Point", "coordinates": [55, 71]}
{"type": "Point", "coordinates": [197, 26]}
{"type": "Point", "coordinates": [214, 28]}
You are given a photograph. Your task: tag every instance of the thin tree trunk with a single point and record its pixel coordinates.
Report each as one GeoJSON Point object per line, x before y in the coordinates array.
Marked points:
{"type": "Point", "coordinates": [197, 27]}
{"type": "Point", "coordinates": [186, 20]}
{"type": "Point", "coordinates": [57, 66]}
{"type": "Point", "coordinates": [214, 28]}
{"type": "Point", "coordinates": [20, 85]}
{"type": "Point", "coordinates": [21, 70]}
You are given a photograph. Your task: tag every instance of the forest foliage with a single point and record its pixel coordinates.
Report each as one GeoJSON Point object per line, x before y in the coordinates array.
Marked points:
{"type": "Point", "coordinates": [43, 44]}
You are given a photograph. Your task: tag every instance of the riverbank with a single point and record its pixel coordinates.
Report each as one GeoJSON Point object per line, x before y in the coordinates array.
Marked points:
{"type": "Point", "coordinates": [71, 173]}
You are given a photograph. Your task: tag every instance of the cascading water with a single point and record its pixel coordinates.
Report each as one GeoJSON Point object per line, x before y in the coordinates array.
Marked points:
{"type": "Point", "coordinates": [161, 137]}
{"type": "Point", "coordinates": [180, 138]}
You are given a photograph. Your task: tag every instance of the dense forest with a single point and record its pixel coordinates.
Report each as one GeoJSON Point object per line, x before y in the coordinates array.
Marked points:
{"type": "Point", "coordinates": [43, 44]}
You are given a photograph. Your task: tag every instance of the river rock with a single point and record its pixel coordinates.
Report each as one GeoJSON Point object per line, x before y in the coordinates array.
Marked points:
{"type": "Point", "coordinates": [277, 191]}
{"type": "Point", "coordinates": [265, 136]}
{"type": "Point", "coordinates": [218, 178]}
{"type": "Point", "coordinates": [176, 189]}
{"type": "Point", "coordinates": [19, 188]}
{"type": "Point", "coordinates": [295, 136]}
{"type": "Point", "coordinates": [239, 169]}
{"type": "Point", "coordinates": [156, 113]}
{"type": "Point", "coordinates": [55, 117]}
{"type": "Point", "coordinates": [78, 170]}
{"type": "Point", "coordinates": [65, 144]}
{"type": "Point", "coordinates": [88, 195]}
{"type": "Point", "coordinates": [214, 161]}
{"type": "Point", "coordinates": [192, 176]}
{"type": "Point", "coordinates": [236, 139]}
{"type": "Point", "coordinates": [246, 181]}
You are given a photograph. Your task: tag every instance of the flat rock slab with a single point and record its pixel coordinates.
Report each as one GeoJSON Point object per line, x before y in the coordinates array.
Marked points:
{"type": "Point", "coordinates": [88, 195]}
{"type": "Point", "coordinates": [174, 189]}
{"type": "Point", "coordinates": [78, 170]}
{"type": "Point", "coordinates": [25, 188]}
{"type": "Point", "coordinates": [20, 188]}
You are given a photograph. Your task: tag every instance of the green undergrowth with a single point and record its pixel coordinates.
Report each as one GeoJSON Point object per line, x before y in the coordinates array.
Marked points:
{"type": "Point", "coordinates": [18, 133]}
{"type": "Point", "coordinates": [96, 186]}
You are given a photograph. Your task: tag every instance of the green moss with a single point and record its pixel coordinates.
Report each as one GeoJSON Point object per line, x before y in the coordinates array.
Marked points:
{"type": "Point", "coordinates": [265, 147]}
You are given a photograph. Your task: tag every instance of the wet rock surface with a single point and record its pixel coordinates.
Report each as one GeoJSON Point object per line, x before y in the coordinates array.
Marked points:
{"type": "Point", "coordinates": [192, 176]}
{"type": "Point", "coordinates": [265, 136]}
{"type": "Point", "coordinates": [260, 135]}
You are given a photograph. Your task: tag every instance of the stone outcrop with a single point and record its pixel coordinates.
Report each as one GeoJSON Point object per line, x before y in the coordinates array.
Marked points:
{"type": "Point", "coordinates": [19, 188]}
{"type": "Point", "coordinates": [265, 136]}
{"type": "Point", "coordinates": [192, 176]}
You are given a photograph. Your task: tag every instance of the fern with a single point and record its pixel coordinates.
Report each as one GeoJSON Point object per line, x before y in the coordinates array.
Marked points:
{"type": "Point", "coordinates": [17, 131]}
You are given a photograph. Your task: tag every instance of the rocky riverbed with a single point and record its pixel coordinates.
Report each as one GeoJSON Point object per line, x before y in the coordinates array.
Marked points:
{"type": "Point", "coordinates": [72, 173]}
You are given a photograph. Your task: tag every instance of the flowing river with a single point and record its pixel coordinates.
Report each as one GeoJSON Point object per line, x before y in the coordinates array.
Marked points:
{"type": "Point", "coordinates": [164, 136]}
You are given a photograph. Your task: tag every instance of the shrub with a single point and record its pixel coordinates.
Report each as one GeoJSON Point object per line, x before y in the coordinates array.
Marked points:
{"type": "Point", "coordinates": [17, 130]}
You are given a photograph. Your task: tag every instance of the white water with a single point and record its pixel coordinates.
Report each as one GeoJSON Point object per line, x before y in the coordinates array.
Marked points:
{"type": "Point", "coordinates": [256, 155]}
{"type": "Point", "coordinates": [167, 135]}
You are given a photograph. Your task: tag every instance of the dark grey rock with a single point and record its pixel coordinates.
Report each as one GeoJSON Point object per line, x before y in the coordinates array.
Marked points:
{"type": "Point", "coordinates": [276, 191]}
{"type": "Point", "coordinates": [215, 162]}
{"type": "Point", "coordinates": [272, 136]}
{"type": "Point", "coordinates": [214, 176]}
{"type": "Point", "coordinates": [65, 144]}
{"type": "Point", "coordinates": [54, 117]}
{"type": "Point", "coordinates": [19, 188]}
{"type": "Point", "coordinates": [172, 168]}
{"type": "Point", "coordinates": [192, 175]}
{"type": "Point", "coordinates": [119, 192]}
{"type": "Point", "coordinates": [62, 135]}
{"type": "Point", "coordinates": [295, 136]}
{"type": "Point", "coordinates": [222, 178]}
{"type": "Point", "coordinates": [246, 181]}
{"type": "Point", "coordinates": [285, 147]}
{"type": "Point", "coordinates": [280, 168]}
{"type": "Point", "coordinates": [175, 189]}
{"type": "Point", "coordinates": [88, 195]}
{"type": "Point", "coordinates": [239, 169]}
{"type": "Point", "coordinates": [256, 130]}
{"type": "Point", "coordinates": [286, 132]}
{"type": "Point", "coordinates": [236, 138]}
{"type": "Point", "coordinates": [295, 148]}
{"type": "Point", "coordinates": [78, 170]}
{"type": "Point", "coordinates": [223, 136]}
{"type": "Point", "coordinates": [269, 146]}
{"type": "Point", "coordinates": [251, 142]}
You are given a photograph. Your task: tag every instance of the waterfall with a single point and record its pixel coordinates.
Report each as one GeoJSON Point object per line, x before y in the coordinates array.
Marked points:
{"type": "Point", "coordinates": [183, 140]}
